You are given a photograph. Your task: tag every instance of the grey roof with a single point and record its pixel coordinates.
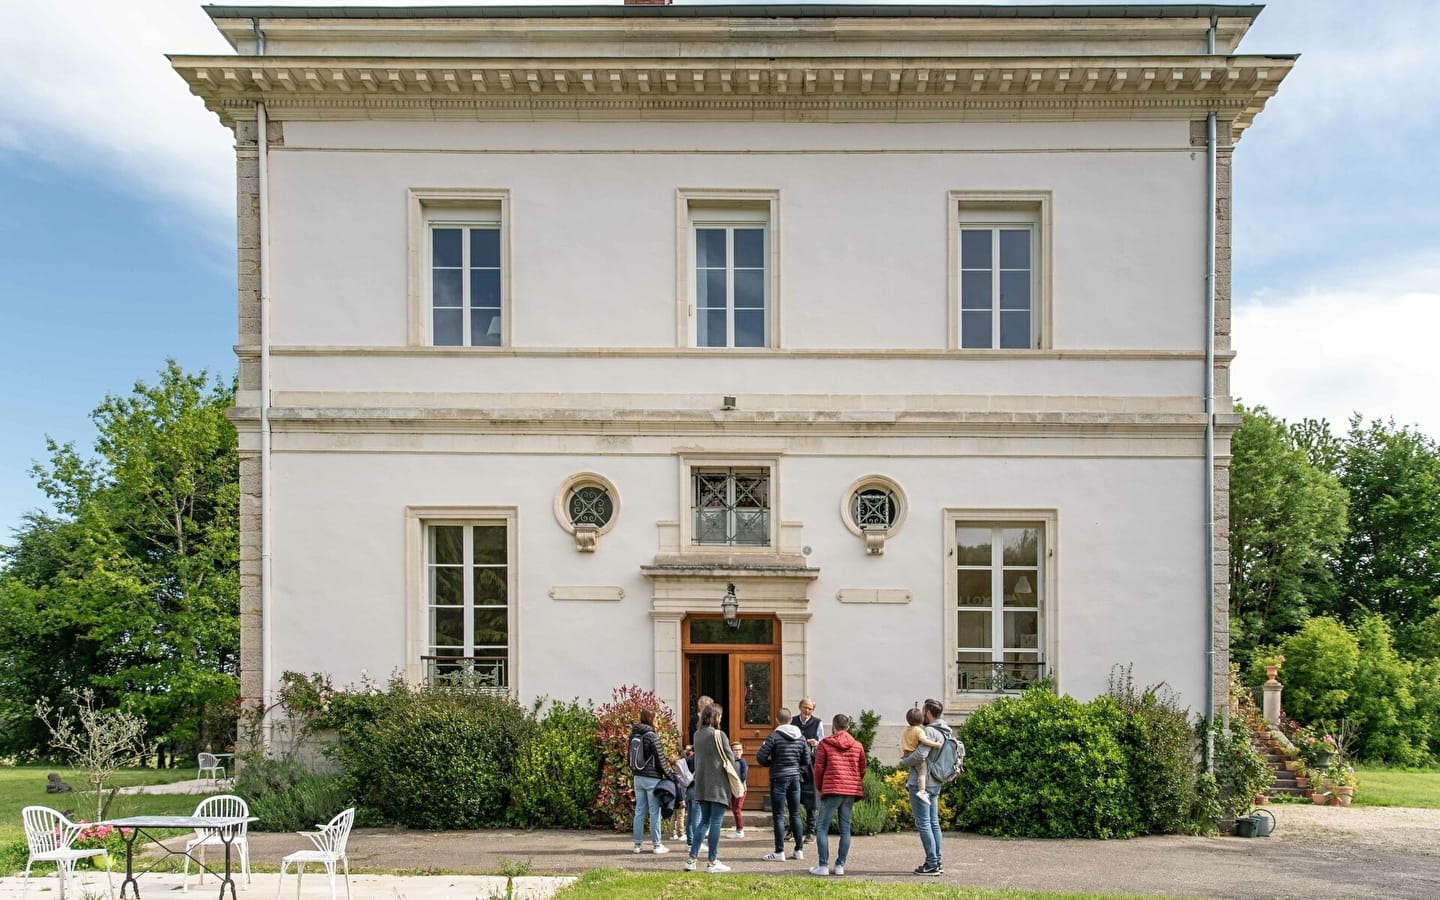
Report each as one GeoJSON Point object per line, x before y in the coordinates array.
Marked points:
{"type": "Point", "coordinates": [745, 10]}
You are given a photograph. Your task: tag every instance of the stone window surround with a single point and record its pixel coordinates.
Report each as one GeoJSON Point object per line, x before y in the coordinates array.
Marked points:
{"type": "Point", "coordinates": [689, 462]}
{"type": "Point", "coordinates": [422, 205]}
{"type": "Point", "coordinates": [417, 634]}
{"type": "Point", "coordinates": [960, 207]}
{"type": "Point", "coordinates": [687, 202]}
{"type": "Point", "coordinates": [585, 542]}
{"type": "Point", "coordinates": [1048, 522]}
{"type": "Point", "coordinates": [875, 543]}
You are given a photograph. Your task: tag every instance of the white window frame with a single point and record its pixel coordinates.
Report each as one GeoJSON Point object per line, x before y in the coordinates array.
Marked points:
{"type": "Point", "coordinates": [418, 520]}
{"type": "Point", "coordinates": [429, 208]}
{"type": "Point", "coordinates": [1046, 589]}
{"type": "Point", "coordinates": [699, 208]}
{"type": "Point", "coordinates": [996, 210]}
{"type": "Point", "coordinates": [689, 465]}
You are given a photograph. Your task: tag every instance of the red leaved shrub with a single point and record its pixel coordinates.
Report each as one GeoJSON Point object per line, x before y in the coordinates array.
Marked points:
{"type": "Point", "coordinates": [617, 790]}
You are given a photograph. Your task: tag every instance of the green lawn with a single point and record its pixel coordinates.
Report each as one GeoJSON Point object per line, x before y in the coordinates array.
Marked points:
{"type": "Point", "coordinates": [22, 786]}
{"type": "Point", "coordinates": [608, 884]}
{"type": "Point", "coordinates": [1383, 786]}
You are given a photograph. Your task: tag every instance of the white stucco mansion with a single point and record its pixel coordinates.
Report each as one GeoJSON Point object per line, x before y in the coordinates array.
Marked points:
{"type": "Point", "coordinates": [554, 322]}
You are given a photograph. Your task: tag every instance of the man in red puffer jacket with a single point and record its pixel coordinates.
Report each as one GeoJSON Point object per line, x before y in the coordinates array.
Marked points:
{"type": "Point", "coordinates": [840, 781]}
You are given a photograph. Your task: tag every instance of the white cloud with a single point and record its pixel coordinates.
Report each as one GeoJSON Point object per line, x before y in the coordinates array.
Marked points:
{"type": "Point", "coordinates": [1327, 352]}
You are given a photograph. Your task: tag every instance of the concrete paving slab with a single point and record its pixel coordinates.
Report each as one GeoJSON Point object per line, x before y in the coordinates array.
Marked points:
{"type": "Point", "coordinates": [315, 887]}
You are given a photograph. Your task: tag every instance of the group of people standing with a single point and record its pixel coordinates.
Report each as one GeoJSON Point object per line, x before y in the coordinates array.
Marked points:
{"type": "Point", "coordinates": [815, 780]}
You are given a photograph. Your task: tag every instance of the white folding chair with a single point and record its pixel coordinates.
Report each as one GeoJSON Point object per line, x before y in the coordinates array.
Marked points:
{"type": "Point", "coordinates": [221, 805]}
{"type": "Point", "coordinates": [49, 836]}
{"type": "Point", "coordinates": [210, 763]}
{"type": "Point", "coordinates": [329, 849]}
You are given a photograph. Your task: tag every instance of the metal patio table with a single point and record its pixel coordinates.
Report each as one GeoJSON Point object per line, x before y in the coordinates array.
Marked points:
{"type": "Point", "coordinates": [224, 826]}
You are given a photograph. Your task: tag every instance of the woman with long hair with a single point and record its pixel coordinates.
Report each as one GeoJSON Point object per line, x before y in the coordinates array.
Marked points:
{"type": "Point", "coordinates": [712, 787]}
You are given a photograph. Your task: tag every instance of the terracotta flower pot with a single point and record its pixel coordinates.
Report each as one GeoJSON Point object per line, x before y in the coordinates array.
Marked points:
{"type": "Point", "coordinates": [1301, 781]}
{"type": "Point", "coordinates": [1261, 799]}
{"type": "Point", "coordinates": [1319, 799]}
{"type": "Point", "coordinates": [1270, 673]}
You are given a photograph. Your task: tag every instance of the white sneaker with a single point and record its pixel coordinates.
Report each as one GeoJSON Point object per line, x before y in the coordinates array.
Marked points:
{"type": "Point", "coordinates": [637, 848]}
{"type": "Point", "coordinates": [716, 866]}
{"type": "Point", "coordinates": [736, 834]}
{"type": "Point", "coordinates": [661, 848]}
{"type": "Point", "coordinates": [689, 865]}
{"type": "Point", "coordinates": [819, 870]}
{"type": "Point", "coordinates": [839, 870]}
{"type": "Point", "coordinates": [798, 854]}
{"type": "Point", "coordinates": [773, 857]}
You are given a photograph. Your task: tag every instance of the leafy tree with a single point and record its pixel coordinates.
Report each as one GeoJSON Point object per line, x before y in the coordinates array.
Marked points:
{"type": "Point", "coordinates": [1287, 518]}
{"type": "Point", "coordinates": [131, 588]}
{"type": "Point", "coordinates": [1390, 563]}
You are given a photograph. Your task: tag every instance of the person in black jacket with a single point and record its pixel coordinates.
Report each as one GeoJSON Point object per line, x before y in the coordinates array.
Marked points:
{"type": "Point", "coordinates": [785, 753]}
{"type": "Point", "coordinates": [650, 773]}
{"type": "Point", "coordinates": [813, 730]}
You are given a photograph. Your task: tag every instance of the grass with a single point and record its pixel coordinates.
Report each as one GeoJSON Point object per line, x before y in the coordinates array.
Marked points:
{"type": "Point", "coordinates": [22, 786]}
{"type": "Point", "coordinates": [609, 884]}
{"type": "Point", "coordinates": [1385, 786]}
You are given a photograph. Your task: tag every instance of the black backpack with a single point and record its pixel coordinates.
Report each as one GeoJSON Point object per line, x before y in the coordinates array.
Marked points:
{"type": "Point", "coordinates": [638, 756]}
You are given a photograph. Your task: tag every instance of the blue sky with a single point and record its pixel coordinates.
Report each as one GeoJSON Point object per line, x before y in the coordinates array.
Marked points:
{"type": "Point", "coordinates": [117, 234]}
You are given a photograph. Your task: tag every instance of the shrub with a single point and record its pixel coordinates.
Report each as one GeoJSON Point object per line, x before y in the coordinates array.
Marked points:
{"type": "Point", "coordinates": [616, 797]}
{"type": "Point", "coordinates": [1241, 774]}
{"type": "Point", "coordinates": [287, 797]}
{"type": "Point", "coordinates": [1158, 739]}
{"type": "Point", "coordinates": [557, 770]}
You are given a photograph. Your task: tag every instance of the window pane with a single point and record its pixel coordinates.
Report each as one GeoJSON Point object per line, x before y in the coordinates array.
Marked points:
{"type": "Point", "coordinates": [1015, 330]}
{"type": "Point", "coordinates": [752, 527]}
{"type": "Point", "coordinates": [490, 627]}
{"type": "Point", "coordinates": [447, 544]}
{"type": "Point", "coordinates": [710, 247]}
{"type": "Point", "coordinates": [490, 588]}
{"type": "Point", "coordinates": [447, 585]}
{"type": "Point", "coordinates": [485, 287]}
{"type": "Point", "coordinates": [447, 626]}
{"type": "Point", "coordinates": [1015, 249]}
{"type": "Point", "coordinates": [715, 631]}
{"type": "Point", "coordinates": [752, 489]}
{"type": "Point", "coordinates": [749, 288]}
{"type": "Point", "coordinates": [590, 505]}
{"type": "Point", "coordinates": [1020, 588]}
{"type": "Point", "coordinates": [975, 329]}
{"type": "Point", "coordinates": [712, 328]}
{"type": "Point", "coordinates": [489, 545]}
{"type": "Point", "coordinates": [1022, 630]}
{"type": "Point", "coordinates": [750, 328]}
{"type": "Point", "coordinates": [711, 289]}
{"type": "Point", "coordinates": [975, 249]}
{"type": "Point", "coordinates": [445, 247]}
{"type": "Point", "coordinates": [1015, 290]}
{"type": "Point", "coordinates": [973, 629]}
{"type": "Point", "coordinates": [485, 248]}
{"type": "Point", "coordinates": [447, 328]}
{"type": "Point", "coordinates": [972, 546]}
{"type": "Point", "coordinates": [759, 679]}
{"type": "Point", "coordinates": [972, 588]}
{"type": "Point", "coordinates": [750, 248]}
{"type": "Point", "coordinates": [711, 526]}
{"type": "Point", "coordinates": [484, 328]}
{"type": "Point", "coordinates": [446, 288]}
{"type": "Point", "coordinates": [1022, 546]}
{"type": "Point", "coordinates": [975, 290]}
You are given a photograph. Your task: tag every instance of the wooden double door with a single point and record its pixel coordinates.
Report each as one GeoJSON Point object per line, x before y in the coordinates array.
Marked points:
{"type": "Point", "coordinates": [738, 667]}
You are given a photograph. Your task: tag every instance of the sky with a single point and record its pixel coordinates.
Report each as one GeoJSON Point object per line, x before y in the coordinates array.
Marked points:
{"type": "Point", "coordinates": [117, 218]}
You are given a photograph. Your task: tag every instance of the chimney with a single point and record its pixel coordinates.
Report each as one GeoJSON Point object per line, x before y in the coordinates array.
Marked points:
{"type": "Point", "coordinates": [647, 2]}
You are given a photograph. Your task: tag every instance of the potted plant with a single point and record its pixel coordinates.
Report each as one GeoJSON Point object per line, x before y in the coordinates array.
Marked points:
{"type": "Point", "coordinates": [1343, 783]}
{"type": "Point", "coordinates": [1272, 663]}
{"type": "Point", "coordinates": [1320, 788]}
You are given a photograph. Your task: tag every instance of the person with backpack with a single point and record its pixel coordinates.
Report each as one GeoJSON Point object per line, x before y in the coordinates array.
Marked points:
{"type": "Point", "coordinates": [840, 781]}
{"type": "Point", "coordinates": [942, 763]}
{"type": "Point", "coordinates": [648, 765]}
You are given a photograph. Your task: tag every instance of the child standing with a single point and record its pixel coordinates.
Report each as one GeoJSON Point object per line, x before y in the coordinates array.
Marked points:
{"type": "Point", "coordinates": [742, 768]}
{"type": "Point", "coordinates": [913, 737]}
{"type": "Point", "coordinates": [684, 777]}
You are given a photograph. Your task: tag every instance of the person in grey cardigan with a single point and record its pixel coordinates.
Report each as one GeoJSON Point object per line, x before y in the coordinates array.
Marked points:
{"type": "Point", "coordinates": [712, 787]}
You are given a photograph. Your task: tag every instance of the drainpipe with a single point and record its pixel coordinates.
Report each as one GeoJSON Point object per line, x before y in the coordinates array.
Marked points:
{"type": "Point", "coordinates": [266, 621]}
{"type": "Point", "coordinates": [1210, 413]}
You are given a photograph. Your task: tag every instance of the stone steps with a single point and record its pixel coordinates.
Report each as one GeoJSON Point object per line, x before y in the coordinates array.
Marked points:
{"type": "Point", "coordinates": [1286, 784]}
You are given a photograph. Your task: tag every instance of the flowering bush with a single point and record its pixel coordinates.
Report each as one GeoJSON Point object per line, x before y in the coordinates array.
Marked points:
{"type": "Point", "coordinates": [1271, 659]}
{"type": "Point", "coordinates": [97, 837]}
{"type": "Point", "coordinates": [616, 799]}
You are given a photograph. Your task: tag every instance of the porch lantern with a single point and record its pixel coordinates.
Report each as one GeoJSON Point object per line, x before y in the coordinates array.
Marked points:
{"type": "Point", "coordinates": [730, 607]}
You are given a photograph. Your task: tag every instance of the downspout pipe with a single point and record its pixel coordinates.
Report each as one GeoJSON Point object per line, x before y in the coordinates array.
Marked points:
{"type": "Point", "coordinates": [266, 482]}
{"type": "Point", "coordinates": [1210, 196]}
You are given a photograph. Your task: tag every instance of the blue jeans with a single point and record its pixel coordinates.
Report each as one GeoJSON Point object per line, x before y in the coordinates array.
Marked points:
{"type": "Point", "coordinates": [646, 804]}
{"type": "Point", "coordinates": [711, 814]}
{"type": "Point", "coordinates": [786, 790]}
{"type": "Point", "coordinates": [927, 822]}
{"type": "Point", "coordinates": [692, 812]}
{"type": "Point", "coordinates": [829, 806]}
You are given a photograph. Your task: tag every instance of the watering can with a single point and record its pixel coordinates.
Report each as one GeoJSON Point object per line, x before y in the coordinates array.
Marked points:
{"type": "Point", "coordinates": [1260, 823]}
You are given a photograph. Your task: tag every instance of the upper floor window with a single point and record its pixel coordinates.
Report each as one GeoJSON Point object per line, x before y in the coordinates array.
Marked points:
{"type": "Point", "coordinates": [731, 506]}
{"type": "Point", "coordinates": [458, 257]}
{"type": "Point", "coordinates": [1001, 278]}
{"type": "Point", "coordinates": [729, 260]}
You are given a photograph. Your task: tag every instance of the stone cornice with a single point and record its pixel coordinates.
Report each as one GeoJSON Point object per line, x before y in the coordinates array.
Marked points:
{"type": "Point", "coordinates": [820, 89]}
{"type": "Point", "coordinates": [251, 351]}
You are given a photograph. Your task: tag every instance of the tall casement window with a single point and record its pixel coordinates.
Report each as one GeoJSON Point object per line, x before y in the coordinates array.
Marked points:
{"type": "Point", "coordinates": [731, 506]}
{"type": "Point", "coordinates": [998, 602]}
{"type": "Point", "coordinates": [727, 256]}
{"type": "Point", "coordinates": [1000, 285]}
{"type": "Point", "coordinates": [467, 585]}
{"type": "Point", "coordinates": [465, 284]}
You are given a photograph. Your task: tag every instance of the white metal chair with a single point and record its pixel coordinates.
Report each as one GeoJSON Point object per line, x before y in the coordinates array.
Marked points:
{"type": "Point", "coordinates": [210, 763]}
{"type": "Point", "coordinates": [49, 836]}
{"type": "Point", "coordinates": [221, 805]}
{"type": "Point", "coordinates": [329, 849]}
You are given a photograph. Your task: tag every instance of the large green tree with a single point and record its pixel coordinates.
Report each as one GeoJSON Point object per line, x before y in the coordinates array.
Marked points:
{"type": "Point", "coordinates": [1287, 520]}
{"type": "Point", "coordinates": [131, 586]}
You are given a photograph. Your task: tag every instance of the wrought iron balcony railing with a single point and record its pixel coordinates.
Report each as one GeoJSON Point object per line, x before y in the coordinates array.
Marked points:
{"type": "Point", "coordinates": [998, 677]}
{"type": "Point", "coordinates": [489, 674]}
